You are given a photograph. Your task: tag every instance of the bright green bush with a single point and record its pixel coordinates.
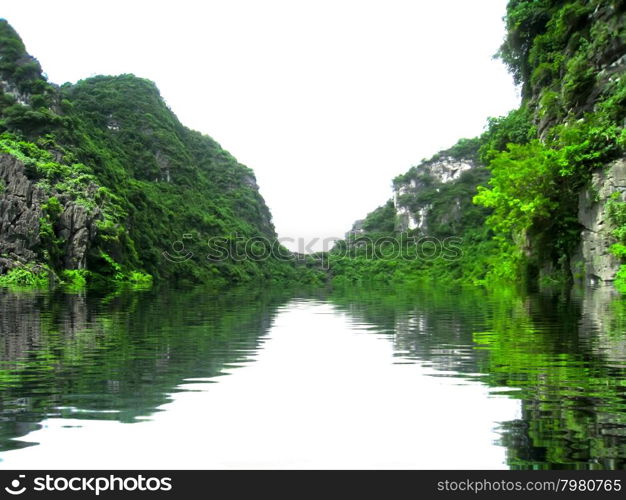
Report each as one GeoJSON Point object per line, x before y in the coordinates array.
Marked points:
{"type": "Point", "coordinates": [23, 277]}
{"type": "Point", "coordinates": [75, 279]}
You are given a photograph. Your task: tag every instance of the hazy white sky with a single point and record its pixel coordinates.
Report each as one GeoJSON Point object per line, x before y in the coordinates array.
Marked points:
{"type": "Point", "coordinates": [326, 100]}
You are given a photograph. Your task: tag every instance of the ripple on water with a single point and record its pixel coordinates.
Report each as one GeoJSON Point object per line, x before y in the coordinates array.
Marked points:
{"type": "Point", "coordinates": [359, 378]}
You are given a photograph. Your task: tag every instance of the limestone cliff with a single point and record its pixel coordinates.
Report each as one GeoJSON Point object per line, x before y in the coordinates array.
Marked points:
{"type": "Point", "coordinates": [415, 192]}
{"type": "Point", "coordinates": [23, 212]}
{"type": "Point", "coordinates": [434, 197]}
{"type": "Point", "coordinates": [593, 262]}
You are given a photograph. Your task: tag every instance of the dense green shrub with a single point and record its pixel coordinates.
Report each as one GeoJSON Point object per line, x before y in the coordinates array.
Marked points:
{"type": "Point", "coordinates": [24, 277]}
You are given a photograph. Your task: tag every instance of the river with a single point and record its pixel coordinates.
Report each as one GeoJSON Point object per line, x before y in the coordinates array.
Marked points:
{"type": "Point", "coordinates": [423, 378]}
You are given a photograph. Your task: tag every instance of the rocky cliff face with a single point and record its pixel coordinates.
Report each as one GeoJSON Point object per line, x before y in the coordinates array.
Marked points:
{"type": "Point", "coordinates": [20, 212]}
{"type": "Point", "coordinates": [433, 198]}
{"type": "Point", "coordinates": [22, 203]}
{"type": "Point", "coordinates": [11, 90]}
{"type": "Point", "coordinates": [594, 263]}
{"type": "Point", "coordinates": [411, 204]}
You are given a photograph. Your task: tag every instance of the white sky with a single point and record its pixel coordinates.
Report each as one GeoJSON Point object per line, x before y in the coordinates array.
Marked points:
{"type": "Point", "coordinates": [326, 100]}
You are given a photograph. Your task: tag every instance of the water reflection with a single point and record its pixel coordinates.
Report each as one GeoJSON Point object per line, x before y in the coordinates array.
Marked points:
{"type": "Point", "coordinates": [561, 354]}
{"type": "Point", "coordinates": [116, 357]}
{"type": "Point", "coordinates": [424, 378]}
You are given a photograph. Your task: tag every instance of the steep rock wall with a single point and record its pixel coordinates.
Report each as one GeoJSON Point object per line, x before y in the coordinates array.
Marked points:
{"type": "Point", "coordinates": [594, 263]}
{"type": "Point", "coordinates": [21, 214]}
{"type": "Point", "coordinates": [412, 192]}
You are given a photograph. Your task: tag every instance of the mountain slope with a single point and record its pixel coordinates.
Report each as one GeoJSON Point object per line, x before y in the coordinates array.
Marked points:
{"type": "Point", "coordinates": [99, 179]}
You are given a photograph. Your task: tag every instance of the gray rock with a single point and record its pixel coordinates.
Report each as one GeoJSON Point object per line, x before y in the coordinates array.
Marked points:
{"type": "Point", "coordinates": [593, 262]}
{"type": "Point", "coordinates": [439, 171]}
{"type": "Point", "coordinates": [77, 230]}
{"type": "Point", "coordinates": [20, 211]}
{"type": "Point", "coordinates": [21, 204]}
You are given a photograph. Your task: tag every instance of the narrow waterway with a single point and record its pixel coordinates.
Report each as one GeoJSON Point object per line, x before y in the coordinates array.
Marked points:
{"type": "Point", "coordinates": [318, 379]}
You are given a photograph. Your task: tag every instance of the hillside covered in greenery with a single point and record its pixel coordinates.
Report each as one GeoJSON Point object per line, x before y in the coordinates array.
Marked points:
{"type": "Point", "coordinates": [542, 196]}
{"type": "Point", "coordinates": [99, 178]}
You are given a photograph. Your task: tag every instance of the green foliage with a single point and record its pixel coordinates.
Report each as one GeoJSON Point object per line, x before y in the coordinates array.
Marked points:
{"type": "Point", "coordinates": [139, 278]}
{"type": "Point", "coordinates": [452, 212]}
{"type": "Point", "coordinates": [525, 21]}
{"type": "Point", "coordinates": [534, 188]}
{"type": "Point", "coordinates": [381, 220]}
{"type": "Point", "coordinates": [463, 149]}
{"type": "Point", "coordinates": [559, 52]}
{"type": "Point", "coordinates": [27, 152]}
{"type": "Point", "coordinates": [516, 127]}
{"type": "Point", "coordinates": [16, 65]}
{"type": "Point", "coordinates": [529, 195]}
{"type": "Point", "coordinates": [523, 187]}
{"type": "Point", "coordinates": [25, 277]}
{"type": "Point", "coordinates": [616, 210]}
{"type": "Point", "coordinates": [26, 104]}
{"type": "Point", "coordinates": [169, 180]}
{"type": "Point", "coordinates": [52, 208]}
{"type": "Point", "coordinates": [51, 246]}
{"type": "Point", "coordinates": [75, 279]}
{"type": "Point", "coordinates": [586, 144]}
{"type": "Point", "coordinates": [620, 279]}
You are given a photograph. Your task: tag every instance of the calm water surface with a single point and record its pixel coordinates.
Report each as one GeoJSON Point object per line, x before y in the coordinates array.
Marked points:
{"type": "Point", "coordinates": [427, 378]}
